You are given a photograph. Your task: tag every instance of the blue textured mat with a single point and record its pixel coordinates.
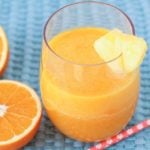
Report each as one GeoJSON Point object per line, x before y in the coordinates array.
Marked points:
{"type": "Point", "coordinates": [23, 21]}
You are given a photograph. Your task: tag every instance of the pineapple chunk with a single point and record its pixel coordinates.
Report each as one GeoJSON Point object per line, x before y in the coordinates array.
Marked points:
{"type": "Point", "coordinates": [128, 51]}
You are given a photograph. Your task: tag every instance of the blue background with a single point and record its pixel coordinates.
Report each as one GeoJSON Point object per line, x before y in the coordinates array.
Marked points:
{"type": "Point", "coordinates": [23, 22]}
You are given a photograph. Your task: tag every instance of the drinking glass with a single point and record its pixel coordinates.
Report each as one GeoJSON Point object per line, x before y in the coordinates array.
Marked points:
{"type": "Point", "coordinates": [87, 102]}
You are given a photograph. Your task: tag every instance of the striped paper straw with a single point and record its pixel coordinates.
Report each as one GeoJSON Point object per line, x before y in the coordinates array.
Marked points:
{"type": "Point", "coordinates": [121, 136]}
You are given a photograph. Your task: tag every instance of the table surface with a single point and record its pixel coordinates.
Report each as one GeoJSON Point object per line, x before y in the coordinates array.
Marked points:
{"type": "Point", "coordinates": [23, 22]}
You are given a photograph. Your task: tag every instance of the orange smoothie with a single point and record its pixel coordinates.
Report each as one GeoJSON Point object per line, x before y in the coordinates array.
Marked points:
{"type": "Point", "coordinates": [83, 97]}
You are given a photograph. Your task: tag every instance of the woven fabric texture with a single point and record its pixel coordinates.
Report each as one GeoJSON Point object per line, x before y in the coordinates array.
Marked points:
{"type": "Point", "coordinates": [23, 21]}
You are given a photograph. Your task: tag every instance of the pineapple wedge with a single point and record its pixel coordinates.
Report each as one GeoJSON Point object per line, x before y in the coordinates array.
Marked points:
{"type": "Point", "coordinates": [123, 52]}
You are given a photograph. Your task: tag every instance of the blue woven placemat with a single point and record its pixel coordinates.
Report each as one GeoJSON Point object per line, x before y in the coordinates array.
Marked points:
{"type": "Point", "coordinates": [23, 22]}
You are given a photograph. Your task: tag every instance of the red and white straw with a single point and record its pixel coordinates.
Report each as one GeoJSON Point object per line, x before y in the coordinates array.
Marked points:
{"type": "Point", "coordinates": [121, 136]}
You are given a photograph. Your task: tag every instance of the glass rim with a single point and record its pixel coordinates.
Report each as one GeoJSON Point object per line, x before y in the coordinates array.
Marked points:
{"type": "Point", "coordinates": [77, 3]}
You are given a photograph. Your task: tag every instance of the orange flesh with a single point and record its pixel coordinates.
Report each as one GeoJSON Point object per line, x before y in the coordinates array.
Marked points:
{"type": "Point", "coordinates": [4, 52]}
{"type": "Point", "coordinates": [85, 103]}
{"type": "Point", "coordinates": [21, 109]}
{"type": "Point", "coordinates": [1, 46]}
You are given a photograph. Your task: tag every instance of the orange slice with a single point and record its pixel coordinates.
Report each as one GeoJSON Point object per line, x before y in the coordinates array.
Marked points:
{"type": "Point", "coordinates": [4, 51]}
{"type": "Point", "coordinates": [20, 114]}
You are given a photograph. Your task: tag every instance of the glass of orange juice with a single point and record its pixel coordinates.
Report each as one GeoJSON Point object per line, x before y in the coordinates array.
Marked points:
{"type": "Point", "coordinates": [83, 97]}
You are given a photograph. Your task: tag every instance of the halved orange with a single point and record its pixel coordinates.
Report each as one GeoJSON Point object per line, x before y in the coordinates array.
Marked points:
{"type": "Point", "coordinates": [4, 51]}
{"type": "Point", "coordinates": [20, 114]}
